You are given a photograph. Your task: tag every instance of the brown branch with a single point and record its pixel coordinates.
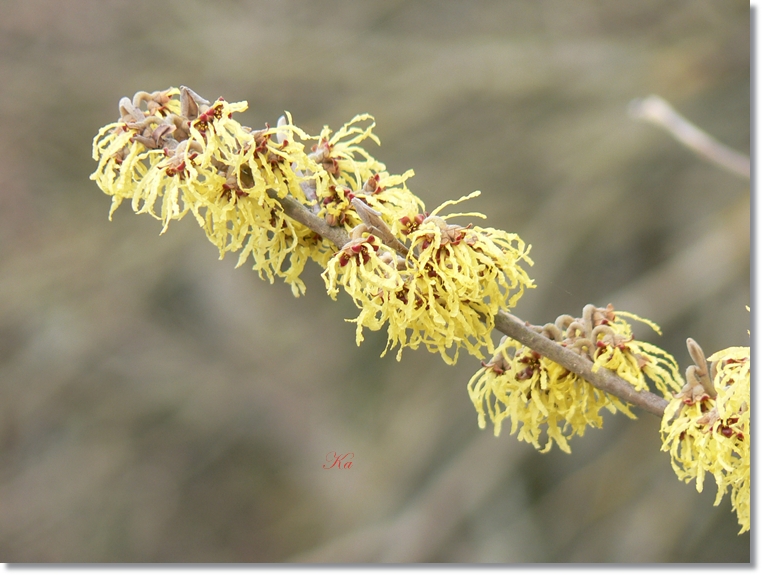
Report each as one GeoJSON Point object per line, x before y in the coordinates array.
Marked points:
{"type": "Point", "coordinates": [602, 379]}
{"type": "Point", "coordinates": [298, 212]}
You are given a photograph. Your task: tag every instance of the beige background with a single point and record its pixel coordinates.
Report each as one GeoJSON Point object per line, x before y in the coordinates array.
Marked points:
{"type": "Point", "coordinates": [158, 405]}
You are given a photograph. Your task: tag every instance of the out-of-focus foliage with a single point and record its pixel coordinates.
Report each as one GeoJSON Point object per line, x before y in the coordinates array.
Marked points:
{"type": "Point", "coordinates": [158, 405]}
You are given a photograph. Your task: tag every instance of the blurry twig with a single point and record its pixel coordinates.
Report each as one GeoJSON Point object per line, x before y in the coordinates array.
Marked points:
{"type": "Point", "coordinates": [658, 111]}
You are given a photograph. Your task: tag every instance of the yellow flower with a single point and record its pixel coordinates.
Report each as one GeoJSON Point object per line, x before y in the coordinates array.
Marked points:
{"type": "Point", "coordinates": [193, 156]}
{"type": "Point", "coordinates": [126, 150]}
{"type": "Point", "coordinates": [545, 397]}
{"type": "Point", "coordinates": [365, 275]}
{"type": "Point", "coordinates": [541, 398]}
{"type": "Point", "coordinates": [461, 270]}
{"type": "Point", "coordinates": [632, 360]}
{"type": "Point", "coordinates": [446, 290]}
{"type": "Point", "coordinates": [285, 252]}
{"type": "Point", "coordinates": [706, 434]}
{"type": "Point", "coordinates": [417, 314]}
{"type": "Point", "coordinates": [341, 156]}
{"type": "Point", "coordinates": [605, 338]}
{"type": "Point", "coordinates": [351, 171]}
{"type": "Point", "coordinates": [389, 195]}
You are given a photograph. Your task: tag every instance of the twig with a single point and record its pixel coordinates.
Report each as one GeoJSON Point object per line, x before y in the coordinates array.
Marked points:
{"type": "Point", "coordinates": [375, 222]}
{"type": "Point", "coordinates": [298, 212]}
{"type": "Point", "coordinates": [658, 111]}
{"type": "Point", "coordinates": [603, 379]}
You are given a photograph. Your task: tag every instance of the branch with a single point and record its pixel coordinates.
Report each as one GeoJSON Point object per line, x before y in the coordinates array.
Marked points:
{"type": "Point", "coordinates": [298, 212]}
{"type": "Point", "coordinates": [658, 111]}
{"type": "Point", "coordinates": [602, 379]}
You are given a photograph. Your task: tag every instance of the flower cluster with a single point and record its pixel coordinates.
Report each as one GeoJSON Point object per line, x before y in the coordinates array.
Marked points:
{"type": "Point", "coordinates": [705, 427]}
{"type": "Point", "coordinates": [546, 398]}
{"type": "Point", "coordinates": [432, 283]}
{"type": "Point", "coordinates": [191, 155]}
{"type": "Point", "coordinates": [350, 172]}
{"type": "Point", "coordinates": [444, 293]}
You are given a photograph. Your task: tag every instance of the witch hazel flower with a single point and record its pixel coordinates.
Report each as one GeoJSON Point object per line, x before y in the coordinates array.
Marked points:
{"type": "Point", "coordinates": [637, 362]}
{"type": "Point", "coordinates": [449, 285]}
{"type": "Point", "coordinates": [186, 154]}
{"type": "Point", "coordinates": [542, 400]}
{"type": "Point", "coordinates": [127, 149]}
{"type": "Point", "coordinates": [545, 400]}
{"type": "Point", "coordinates": [352, 172]}
{"type": "Point", "coordinates": [341, 155]}
{"type": "Point", "coordinates": [706, 425]}
{"type": "Point", "coordinates": [466, 273]}
{"type": "Point", "coordinates": [364, 268]}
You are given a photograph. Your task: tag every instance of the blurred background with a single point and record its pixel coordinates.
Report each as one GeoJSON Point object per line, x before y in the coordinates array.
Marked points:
{"type": "Point", "coordinates": [157, 404]}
